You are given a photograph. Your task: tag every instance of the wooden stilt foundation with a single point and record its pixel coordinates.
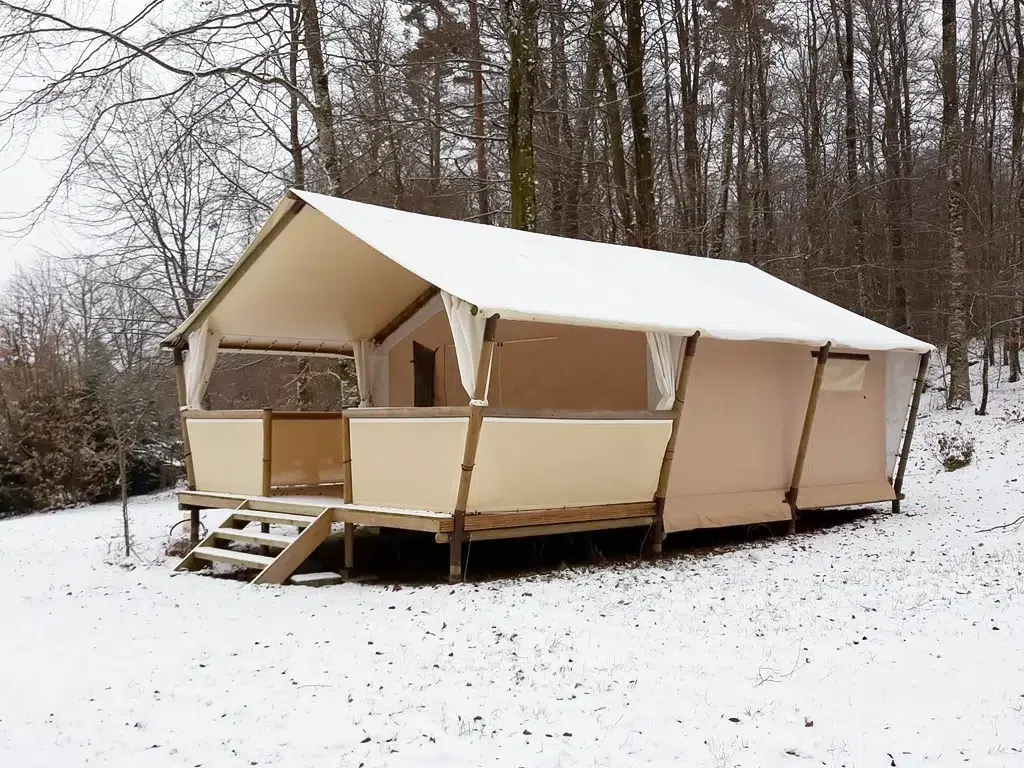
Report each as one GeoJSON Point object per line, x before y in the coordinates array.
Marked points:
{"type": "Point", "coordinates": [346, 464]}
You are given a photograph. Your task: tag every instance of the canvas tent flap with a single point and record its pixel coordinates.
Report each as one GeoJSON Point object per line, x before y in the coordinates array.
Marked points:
{"type": "Point", "coordinates": [900, 373]}
{"type": "Point", "coordinates": [467, 324]}
{"type": "Point", "coordinates": [327, 271]}
{"type": "Point", "coordinates": [363, 352]}
{"type": "Point", "coordinates": [202, 354]}
{"type": "Point", "coordinates": [664, 350]}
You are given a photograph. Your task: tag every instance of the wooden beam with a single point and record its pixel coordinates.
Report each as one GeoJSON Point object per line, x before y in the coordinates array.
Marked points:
{"type": "Point", "coordinates": [307, 415]}
{"type": "Point", "coordinates": [555, 413]}
{"type": "Point", "coordinates": [527, 517]}
{"type": "Point", "coordinates": [476, 419]}
{"type": "Point", "coordinates": [658, 532]}
{"type": "Point", "coordinates": [179, 380]}
{"type": "Point", "coordinates": [487, 534]}
{"type": "Point", "coordinates": [186, 446]}
{"type": "Point", "coordinates": [402, 317]}
{"type": "Point", "coordinates": [433, 412]}
{"type": "Point", "coordinates": [240, 414]}
{"type": "Point", "coordinates": [180, 337]}
{"type": "Point", "coordinates": [346, 469]}
{"type": "Point", "coordinates": [842, 355]}
{"type": "Point", "coordinates": [908, 433]}
{"type": "Point", "coordinates": [268, 438]}
{"type": "Point", "coordinates": [805, 434]}
{"type": "Point", "coordinates": [284, 349]}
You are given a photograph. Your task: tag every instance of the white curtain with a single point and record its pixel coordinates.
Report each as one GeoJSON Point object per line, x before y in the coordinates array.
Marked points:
{"type": "Point", "coordinates": [202, 354]}
{"type": "Point", "coordinates": [664, 349]}
{"type": "Point", "coordinates": [365, 366]}
{"type": "Point", "coordinates": [468, 333]}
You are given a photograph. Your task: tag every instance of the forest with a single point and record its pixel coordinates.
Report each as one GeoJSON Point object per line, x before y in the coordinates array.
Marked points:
{"type": "Point", "coordinates": [869, 151]}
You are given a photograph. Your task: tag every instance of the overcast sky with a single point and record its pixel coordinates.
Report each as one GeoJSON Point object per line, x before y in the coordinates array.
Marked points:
{"type": "Point", "coordinates": [29, 154]}
{"type": "Point", "coordinates": [25, 178]}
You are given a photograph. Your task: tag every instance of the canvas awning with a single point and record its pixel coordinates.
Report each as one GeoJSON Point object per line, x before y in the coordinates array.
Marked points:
{"type": "Point", "coordinates": [325, 272]}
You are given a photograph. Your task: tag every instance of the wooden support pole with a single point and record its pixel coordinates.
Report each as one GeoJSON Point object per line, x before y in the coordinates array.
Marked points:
{"type": "Point", "coordinates": [346, 468]}
{"type": "Point", "coordinates": [179, 380]}
{"type": "Point", "coordinates": [476, 420]}
{"type": "Point", "coordinates": [658, 529]}
{"type": "Point", "coordinates": [190, 475]}
{"type": "Point", "coordinates": [908, 434]}
{"type": "Point", "coordinates": [805, 434]}
{"type": "Point", "coordinates": [268, 439]}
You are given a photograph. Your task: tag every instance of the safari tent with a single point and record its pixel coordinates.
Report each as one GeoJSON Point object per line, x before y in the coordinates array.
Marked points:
{"type": "Point", "coordinates": [519, 384]}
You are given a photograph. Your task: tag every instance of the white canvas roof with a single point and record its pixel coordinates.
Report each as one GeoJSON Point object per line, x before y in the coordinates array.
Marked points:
{"type": "Point", "coordinates": [325, 272]}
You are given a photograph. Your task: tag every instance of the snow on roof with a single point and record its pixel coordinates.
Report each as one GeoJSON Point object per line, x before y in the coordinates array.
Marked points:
{"type": "Point", "coordinates": [529, 276]}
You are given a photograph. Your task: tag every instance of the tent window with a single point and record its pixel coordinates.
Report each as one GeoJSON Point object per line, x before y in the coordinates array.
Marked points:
{"type": "Point", "coordinates": [844, 375]}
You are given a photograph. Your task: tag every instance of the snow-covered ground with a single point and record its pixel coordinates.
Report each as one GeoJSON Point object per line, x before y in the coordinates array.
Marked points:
{"type": "Point", "coordinates": [892, 640]}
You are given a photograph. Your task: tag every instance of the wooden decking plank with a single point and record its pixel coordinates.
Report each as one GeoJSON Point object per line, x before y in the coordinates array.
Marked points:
{"type": "Point", "coordinates": [548, 530]}
{"type": "Point", "coordinates": [489, 520]}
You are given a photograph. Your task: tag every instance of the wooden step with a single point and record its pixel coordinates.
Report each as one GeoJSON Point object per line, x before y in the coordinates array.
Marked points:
{"type": "Point", "coordinates": [253, 537]}
{"type": "Point", "coordinates": [278, 518]}
{"type": "Point", "coordinates": [244, 559]}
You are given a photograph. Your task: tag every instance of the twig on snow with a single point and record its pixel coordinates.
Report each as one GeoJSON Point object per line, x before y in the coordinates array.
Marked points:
{"type": "Point", "coordinates": [1016, 522]}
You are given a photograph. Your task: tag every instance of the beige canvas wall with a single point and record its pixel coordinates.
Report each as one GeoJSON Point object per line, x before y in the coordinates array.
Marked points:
{"type": "Point", "coordinates": [407, 463]}
{"type": "Point", "coordinates": [305, 451]}
{"type": "Point", "coordinates": [546, 463]}
{"type": "Point", "coordinates": [227, 455]}
{"type": "Point", "coordinates": [536, 365]}
{"type": "Point", "coordinates": [740, 431]}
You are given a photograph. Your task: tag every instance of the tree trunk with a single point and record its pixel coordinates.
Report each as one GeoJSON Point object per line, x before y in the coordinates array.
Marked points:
{"type": "Point", "coordinates": [323, 115]}
{"type": "Point", "coordinates": [733, 101]}
{"type": "Point", "coordinates": [522, 83]}
{"type": "Point", "coordinates": [483, 200]}
{"type": "Point", "coordinates": [294, 137]}
{"type": "Point", "coordinates": [855, 244]}
{"type": "Point", "coordinates": [646, 235]}
{"type": "Point", "coordinates": [689, 41]}
{"type": "Point", "coordinates": [959, 391]}
{"type": "Point", "coordinates": [1013, 341]}
{"type": "Point", "coordinates": [613, 118]}
{"type": "Point", "coordinates": [122, 472]}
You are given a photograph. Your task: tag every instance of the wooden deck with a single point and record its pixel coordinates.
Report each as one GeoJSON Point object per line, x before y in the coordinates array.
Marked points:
{"type": "Point", "coordinates": [491, 525]}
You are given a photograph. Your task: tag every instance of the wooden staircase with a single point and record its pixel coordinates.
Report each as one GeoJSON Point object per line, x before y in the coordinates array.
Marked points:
{"type": "Point", "coordinates": [273, 567]}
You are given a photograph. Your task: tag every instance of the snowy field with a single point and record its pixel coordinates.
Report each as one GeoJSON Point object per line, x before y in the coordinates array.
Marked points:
{"type": "Point", "coordinates": [885, 641]}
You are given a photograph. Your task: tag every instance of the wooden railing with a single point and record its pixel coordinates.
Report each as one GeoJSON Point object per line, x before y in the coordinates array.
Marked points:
{"type": "Point", "coordinates": [265, 452]}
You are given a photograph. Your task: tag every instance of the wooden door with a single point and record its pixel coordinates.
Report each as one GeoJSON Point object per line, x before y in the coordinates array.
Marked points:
{"type": "Point", "coordinates": [423, 374]}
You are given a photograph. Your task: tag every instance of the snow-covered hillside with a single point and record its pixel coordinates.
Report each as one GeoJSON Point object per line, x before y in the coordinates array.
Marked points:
{"type": "Point", "coordinates": [891, 640]}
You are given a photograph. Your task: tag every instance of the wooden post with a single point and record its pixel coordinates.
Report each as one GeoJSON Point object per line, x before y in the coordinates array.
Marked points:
{"type": "Point", "coordinates": [908, 434]}
{"type": "Point", "coordinates": [346, 468]}
{"type": "Point", "coordinates": [190, 475]}
{"type": "Point", "coordinates": [476, 420]}
{"type": "Point", "coordinates": [658, 531]}
{"type": "Point", "coordinates": [179, 379]}
{"type": "Point", "coordinates": [805, 435]}
{"type": "Point", "coordinates": [268, 437]}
